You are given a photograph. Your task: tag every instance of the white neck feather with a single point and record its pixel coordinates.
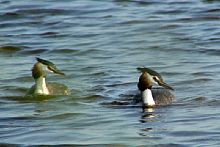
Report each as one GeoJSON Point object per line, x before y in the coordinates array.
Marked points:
{"type": "Point", "coordinates": [41, 86]}
{"type": "Point", "coordinates": [147, 98]}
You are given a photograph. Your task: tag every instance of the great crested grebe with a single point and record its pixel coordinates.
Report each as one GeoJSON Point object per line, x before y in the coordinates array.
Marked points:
{"type": "Point", "coordinates": [153, 97]}
{"type": "Point", "coordinates": [39, 73]}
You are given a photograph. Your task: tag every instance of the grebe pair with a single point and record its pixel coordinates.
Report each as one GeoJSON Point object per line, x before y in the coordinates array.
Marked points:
{"type": "Point", "coordinates": [150, 97]}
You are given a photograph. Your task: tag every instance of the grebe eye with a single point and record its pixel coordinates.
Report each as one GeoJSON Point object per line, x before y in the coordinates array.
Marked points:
{"type": "Point", "coordinates": [155, 78]}
{"type": "Point", "coordinates": [50, 69]}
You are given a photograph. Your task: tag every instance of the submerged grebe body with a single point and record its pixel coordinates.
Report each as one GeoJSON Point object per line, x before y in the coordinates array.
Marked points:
{"type": "Point", "coordinates": [153, 97]}
{"type": "Point", "coordinates": [39, 73]}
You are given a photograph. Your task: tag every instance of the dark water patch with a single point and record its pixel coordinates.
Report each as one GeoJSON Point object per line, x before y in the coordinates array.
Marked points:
{"type": "Point", "coordinates": [139, 2]}
{"type": "Point", "coordinates": [10, 145]}
{"type": "Point", "coordinates": [213, 10]}
{"type": "Point", "coordinates": [33, 52]}
{"type": "Point", "coordinates": [193, 133]}
{"type": "Point", "coordinates": [174, 2]}
{"type": "Point", "coordinates": [81, 11]}
{"type": "Point", "coordinates": [10, 14]}
{"type": "Point", "coordinates": [172, 11]}
{"type": "Point", "coordinates": [52, 35]}
{"type": "Point", "coordinates": [170, 26]}
{"type": "Point", "coordinates": [38, 11]}
{"type": "Point", "coordinates": [49, 34]}
{"type": "Point", "coordinates": [214, 52]}
{"type": "Point", "coordinates": [207, 18]}
{"type": "Point", "coordinates": [22, 25]}
{"type": "Point", "coordinates": [18, 118]}
{"type": "Point", "coordinates": [199, 18]}
{"type": "Point", "coordinates": [146, 129]}
{"type": "Point", "coordinates": [5, 2]}
{"type": "Point", "coordinates": [63, 51]}
{"type": "Point", "coordinates": [210, 1]}
{"type": "Point", "coordinates": [169, 145]}
{"type": "Point", "coordinates": [132, 22]}
{"type": "Point", "coordinates": [11, 49]}
{"type": "Point", "coordinates": [185, 19]}
{"type": "Point", "coordinates": [79, 145]}
{"type": "Point", "coordinates": [214, 39]}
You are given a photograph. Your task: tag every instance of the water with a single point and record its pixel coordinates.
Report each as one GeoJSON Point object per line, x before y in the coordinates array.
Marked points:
{"type": "Point", "coordinates": [99, 45]}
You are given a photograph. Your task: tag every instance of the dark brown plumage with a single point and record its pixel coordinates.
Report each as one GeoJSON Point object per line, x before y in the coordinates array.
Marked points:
{"type": "Point", "coordinates": [144, 82]}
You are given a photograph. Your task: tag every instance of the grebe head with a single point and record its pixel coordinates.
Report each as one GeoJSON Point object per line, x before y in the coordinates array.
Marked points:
{"type": "Point", "coordinates": [148, 77]}
{"type": "Point", "coordinates": [43, 67]}
{"type": "Point", "coordinates": [146, 81]}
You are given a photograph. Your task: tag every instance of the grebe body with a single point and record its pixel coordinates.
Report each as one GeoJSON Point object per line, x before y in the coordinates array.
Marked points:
{"type": "Point", "coordinates": [39, 72]}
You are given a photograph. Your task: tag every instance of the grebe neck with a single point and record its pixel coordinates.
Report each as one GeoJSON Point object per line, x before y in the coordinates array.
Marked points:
{"type": "Point", "coordinates": [147, 98]}
{"type": "Point", "coordinates": [41, 86]}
